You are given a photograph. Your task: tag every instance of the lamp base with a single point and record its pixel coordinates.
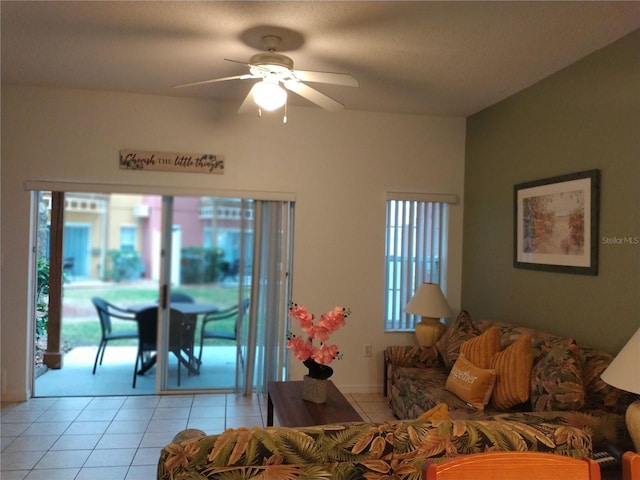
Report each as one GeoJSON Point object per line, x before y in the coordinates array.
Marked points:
{"type": "Point", "coordinates": [428, 331]}
{"type": "Point", "coordinates": [633, 423]}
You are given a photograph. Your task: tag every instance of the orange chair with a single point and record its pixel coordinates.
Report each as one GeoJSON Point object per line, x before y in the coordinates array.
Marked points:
{"type": "Point", "coordinates": [512, 466]}
{"type": "Point", "coordinates": [631, 466]}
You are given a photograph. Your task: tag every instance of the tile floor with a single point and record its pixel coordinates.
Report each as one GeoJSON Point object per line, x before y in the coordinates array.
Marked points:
{"type": "Point", "coordinates": [119, 438]}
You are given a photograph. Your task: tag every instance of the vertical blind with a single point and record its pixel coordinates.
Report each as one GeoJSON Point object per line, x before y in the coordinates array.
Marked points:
{"type": "Point", "coordinates": [415, 251]}
{"type": "Point", "coordinates": [270, 292]}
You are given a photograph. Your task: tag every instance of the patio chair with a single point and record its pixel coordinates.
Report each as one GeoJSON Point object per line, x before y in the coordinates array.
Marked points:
{"type": "Point", "coordinates": [521, 465]}
{"type": "Point", "coordinates": [188, 329]}
{"type": "Point", "coordinates": [210, 319]}
{"type": "Point", "coordinates": [107, 312]}
{"type": "Point", "coordinates": [181, 297]}
{"type": "Point", "coordinates": [147, 341]}
{"type": "Point", "coordinates": [181, 341]}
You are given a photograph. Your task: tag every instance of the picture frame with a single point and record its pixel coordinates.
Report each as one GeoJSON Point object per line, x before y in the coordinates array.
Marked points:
{"type": "Point", "coordinates": [556, 223]}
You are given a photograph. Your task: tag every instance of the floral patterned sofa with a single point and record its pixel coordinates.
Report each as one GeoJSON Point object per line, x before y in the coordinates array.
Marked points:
{"type": "Point", "coordinates": [569, 411]}
{"type": "Point", "coordinates": [561, 381]}
{"type": "Point", "coordinates": [373, 451]}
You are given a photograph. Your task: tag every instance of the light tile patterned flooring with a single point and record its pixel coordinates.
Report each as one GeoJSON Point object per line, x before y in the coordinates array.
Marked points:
{"type": "Point", "coordinates": [119, 438]}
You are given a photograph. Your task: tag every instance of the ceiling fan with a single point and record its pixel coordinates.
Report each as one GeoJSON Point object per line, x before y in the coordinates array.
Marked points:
{"type": "Point", "coordinates": [275, 71]}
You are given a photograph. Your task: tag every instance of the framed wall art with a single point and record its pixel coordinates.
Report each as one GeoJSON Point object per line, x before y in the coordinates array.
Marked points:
{"type": "Point", "coordinates": [556, 223]}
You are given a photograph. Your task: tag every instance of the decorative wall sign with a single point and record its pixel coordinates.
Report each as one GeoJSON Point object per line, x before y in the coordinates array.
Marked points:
{"type": "Point", "coordinates": [171, 162]}
{"type": "Point", "coordinates": [556, 223]}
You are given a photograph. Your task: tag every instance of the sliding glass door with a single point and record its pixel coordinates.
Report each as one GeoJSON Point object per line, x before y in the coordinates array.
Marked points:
{"type": "Point", "coordinates": [213, 272]}
{"type": "Point", "coordinates": [101, 251]}
{"type": "Point", "coordinates": [205, 294]}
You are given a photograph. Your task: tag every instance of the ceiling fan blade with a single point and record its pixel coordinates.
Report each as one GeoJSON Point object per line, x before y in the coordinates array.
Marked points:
{"type": "Point", "coordinates": [248, 103]}
{"type": "Point", "coordinates": [224, 79]}
{"type": "Point", "coordinates": [237, 61]}
{"type": "Point", "coordinates": [313, 95]}
{"type": "Point", "coordinates": [343, 79]}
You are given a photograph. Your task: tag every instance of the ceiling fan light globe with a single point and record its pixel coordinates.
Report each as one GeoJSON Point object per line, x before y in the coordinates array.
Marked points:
{"type": "Point", "coordinates": [269, 96]}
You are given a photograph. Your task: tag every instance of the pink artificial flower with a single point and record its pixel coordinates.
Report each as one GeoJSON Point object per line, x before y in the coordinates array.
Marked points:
{"type": "Point", "coordinates": [318, 332]}
{"type": "Point", "coordinates": [325, 353]}
{"type": "Point", "coordinates": [304, 318]}
{"type": "Point", "coordinates": [309, 330]}
{"type": "Point", "coordinates": [328, 323]}
{"type": "Point", "coordinates": [302, 349]}
{"type": "Point", "coordinates": [332, 320]}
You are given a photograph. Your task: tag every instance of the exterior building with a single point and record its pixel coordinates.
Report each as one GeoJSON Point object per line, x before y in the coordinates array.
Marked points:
{"type": "Point", "coordinates": [114, 237]}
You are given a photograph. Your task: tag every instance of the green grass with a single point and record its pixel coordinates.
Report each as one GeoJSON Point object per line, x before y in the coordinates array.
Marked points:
{"type": "Point", "coordinates": [87, 333]}
{"type": "Point", "coordinates": [124, 294]}
{"type": "Point", "coordinates": [80, 326]}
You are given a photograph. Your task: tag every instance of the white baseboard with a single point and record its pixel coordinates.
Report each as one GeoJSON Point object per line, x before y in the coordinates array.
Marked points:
{"type": "Point", "coordinates": [14, 397]}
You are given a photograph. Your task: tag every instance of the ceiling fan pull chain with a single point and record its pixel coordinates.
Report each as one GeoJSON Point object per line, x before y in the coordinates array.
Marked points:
{"type": "Point", "coordinates": [284, 119]}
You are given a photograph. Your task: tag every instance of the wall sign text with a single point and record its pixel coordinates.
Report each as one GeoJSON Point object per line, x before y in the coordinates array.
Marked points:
{"type": "Point", "coordinates": [171, 162]}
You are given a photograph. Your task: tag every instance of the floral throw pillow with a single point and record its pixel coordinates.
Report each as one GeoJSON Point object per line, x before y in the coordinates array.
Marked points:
{"type": "Point", "coordinates": [597, 391]}
{"type": "Point", "coordinates": [460, 331]}
{"type": "Point", "coordinates": [556, 379]}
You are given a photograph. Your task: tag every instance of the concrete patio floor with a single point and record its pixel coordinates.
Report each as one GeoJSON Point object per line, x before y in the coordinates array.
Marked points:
{"type": "Point", "coordinates": [115, 375]}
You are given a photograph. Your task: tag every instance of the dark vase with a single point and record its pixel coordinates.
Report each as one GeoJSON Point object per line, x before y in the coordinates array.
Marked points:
{"type": "Point", "coordinates": [317, 370]}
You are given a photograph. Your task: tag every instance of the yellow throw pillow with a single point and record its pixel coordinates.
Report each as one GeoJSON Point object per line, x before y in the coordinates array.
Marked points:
{"type": "Point", "coordinates": [472, 384]}
{"type": "Point", "coordinates": [513, 365]}
{"type": "Point", "coordinates": [480, 350]}
{"type": "Point", "coordinates": [439, 412]}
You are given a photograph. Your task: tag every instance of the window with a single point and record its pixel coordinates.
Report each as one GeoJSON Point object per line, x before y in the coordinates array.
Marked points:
{"type": "Point", "coordinates": [207, 237]}
{"type": "Point", "coordinates": [128, 238]}
{"type": "Point", "coordinates": [415, 251]}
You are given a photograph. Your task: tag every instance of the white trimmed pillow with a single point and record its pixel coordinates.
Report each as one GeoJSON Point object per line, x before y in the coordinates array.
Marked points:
{"type": "Point", "coordinates": [472, 384]}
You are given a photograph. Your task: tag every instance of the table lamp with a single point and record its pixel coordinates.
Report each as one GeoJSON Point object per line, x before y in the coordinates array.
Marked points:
{"type": "Point", "coordinates": [624, 373]}
{"type": "Point", "coordinates": [430, 304]}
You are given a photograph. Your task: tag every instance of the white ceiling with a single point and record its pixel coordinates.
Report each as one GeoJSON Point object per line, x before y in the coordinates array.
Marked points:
{"type": "Point", "coordinates": [438, 58]}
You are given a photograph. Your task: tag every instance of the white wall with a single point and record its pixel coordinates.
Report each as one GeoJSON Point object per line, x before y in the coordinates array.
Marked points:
{"type": "Point", "coordinates": [338, 165]}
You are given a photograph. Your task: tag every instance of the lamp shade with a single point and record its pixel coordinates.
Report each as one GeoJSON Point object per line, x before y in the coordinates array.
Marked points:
{"type": "Point", "coordinates": [428, 301]}
{"type": "Point", "coordinates": [624, 371]}
{"type": "Point", "coordinates": [269, 95]}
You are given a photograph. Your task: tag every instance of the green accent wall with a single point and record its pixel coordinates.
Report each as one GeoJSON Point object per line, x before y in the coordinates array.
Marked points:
{"type": "Point", "coordinates": [587, 116]}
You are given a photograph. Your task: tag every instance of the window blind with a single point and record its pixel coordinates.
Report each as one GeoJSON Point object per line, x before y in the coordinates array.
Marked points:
{"type": "Point", "coordinates": [415, 252]}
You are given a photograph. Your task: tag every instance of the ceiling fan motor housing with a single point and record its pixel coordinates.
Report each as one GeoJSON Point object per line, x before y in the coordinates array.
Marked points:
{"type": "Point", "coordinates": [272, 59]}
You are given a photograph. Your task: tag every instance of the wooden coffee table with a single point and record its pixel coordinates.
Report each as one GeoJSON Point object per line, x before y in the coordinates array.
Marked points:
{"type": "Point", "coordinates": [285, 398]}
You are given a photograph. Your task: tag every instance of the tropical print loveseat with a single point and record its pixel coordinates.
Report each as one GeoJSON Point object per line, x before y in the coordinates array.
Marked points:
{"type": "Point", "coordinates": [392, 450]}
{"type": "Point", "coordinates": [558, 378]}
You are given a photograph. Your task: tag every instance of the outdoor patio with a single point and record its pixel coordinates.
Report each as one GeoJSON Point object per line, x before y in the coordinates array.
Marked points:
{"type": "Point", "coordinates": [115, 375]}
